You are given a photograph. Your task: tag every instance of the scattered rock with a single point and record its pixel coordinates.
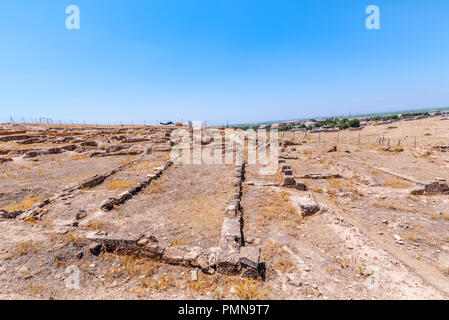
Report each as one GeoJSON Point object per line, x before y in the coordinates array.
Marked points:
{"type": "Point", "coordinates": [95, 249]}
{"type": "Point", "coordinates": [81, 214]}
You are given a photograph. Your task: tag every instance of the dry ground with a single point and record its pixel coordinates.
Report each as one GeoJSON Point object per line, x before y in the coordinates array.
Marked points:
{"type": "Point", "coordinates": [374, 241]}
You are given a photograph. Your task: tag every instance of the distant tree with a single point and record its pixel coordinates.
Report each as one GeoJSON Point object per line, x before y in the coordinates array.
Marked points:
{"type": "Point", "coordinates": [354, 123]}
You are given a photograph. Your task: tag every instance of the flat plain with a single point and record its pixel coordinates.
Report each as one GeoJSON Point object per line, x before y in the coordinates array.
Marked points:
{"type": "Point", "coordinates": [349, 215]}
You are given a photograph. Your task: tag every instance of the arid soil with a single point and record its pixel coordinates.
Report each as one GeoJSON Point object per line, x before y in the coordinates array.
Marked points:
{"type": "Point", "coordinates": [367, 218]}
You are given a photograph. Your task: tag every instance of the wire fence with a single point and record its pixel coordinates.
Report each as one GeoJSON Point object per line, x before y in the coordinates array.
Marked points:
{"type": "Point", "coordinates": [360, 139]}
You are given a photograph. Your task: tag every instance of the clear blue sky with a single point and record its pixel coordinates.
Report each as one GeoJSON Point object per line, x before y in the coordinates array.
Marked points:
{"type": "Point", "coordinates": [244, 61]}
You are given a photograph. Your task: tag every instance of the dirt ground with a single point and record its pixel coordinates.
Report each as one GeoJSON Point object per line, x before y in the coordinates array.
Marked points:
{"type": "Point", "coordinates": [373, 238]}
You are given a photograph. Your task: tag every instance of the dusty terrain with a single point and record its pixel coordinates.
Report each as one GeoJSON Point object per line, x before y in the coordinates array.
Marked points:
{"type": "Point", "coordinates": [110, 203]}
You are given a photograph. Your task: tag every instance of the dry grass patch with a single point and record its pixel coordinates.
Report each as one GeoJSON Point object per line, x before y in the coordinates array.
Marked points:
{"type": "Point", "coordinates": [393, 206]}
{"type": "Point", "coordinates": [35, 288]}
{"type": "Point", "coordinates": [274, 254]}
{"type": "Point", "coordinates": [78, 157]}
{"type": "Point", "coordinates": [396, 184]}
{"type": "Point", "coordinates": [23, 248]}
{"type": "Point", "coordinates": [145, 271]}
{"type": "Point", "coordinates": [411, 237]}
{"type": "Point", "coordinates": [120, 184]}
{"type": "Point", "coordinates": [156, 188]}
{"type": "Point", "coordinates": [250, 289]}
{"type": "Point", "coordinates": [131, 266]}
{"type": "Point", "coordinates": [443, 270]}
{"type": "Point", "coordinates": [439, 216]}
{"type": "Point", "coordinates": [26, 204]}
{"type": "Point", "coordinates": [96, 225]}
{"type": "Point", "coordinates": [159, 283]}
{"type": "Point", "coordinates": [222, 285]}
{"type": "Point", "coordinates": [275, 206]}
{"type": "Point", "coordinates": [316, 189]}
{"type": "Point", "coordinates": [71, 238]}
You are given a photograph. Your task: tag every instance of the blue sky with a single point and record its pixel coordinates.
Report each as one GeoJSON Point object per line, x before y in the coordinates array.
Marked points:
{"type": "Point", "coordinates": [220, 60]}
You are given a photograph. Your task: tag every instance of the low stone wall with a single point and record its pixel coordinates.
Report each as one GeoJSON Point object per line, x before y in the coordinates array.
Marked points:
{"type": "Point", "coordinates": [4, 214]}
{"type": "Point", "coordinates": [109, 204]}
{"type": "Point", "coordinates": [149, 247]}
{"type": "Point", "coordinates": [233, 257]}
{"type": "Point", "coordinates": [433, 188]}
{"type": "Point", "coordinates": [36, 211]}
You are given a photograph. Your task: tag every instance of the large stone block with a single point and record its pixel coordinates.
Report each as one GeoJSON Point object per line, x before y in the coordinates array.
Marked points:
{"type": "Point", "coordinates": [228, 263]}
{"type": "Point", "coordinates": [231, 232]}
{"type": "Point", "coordinates": [308, 206]}
{"type": "Point", "coordinates": [301, 186]}
{"type": "Point", "coordinates": [288, 172]}
{"type": "Point", "coordinates": [289, 181]}
{"type": "Point", "coordinates": [174, 255]}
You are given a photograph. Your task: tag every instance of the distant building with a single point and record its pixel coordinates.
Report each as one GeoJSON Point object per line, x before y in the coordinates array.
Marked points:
{"type": "Point", "coordinates": [433, 113]}
{"type": "Point", "coordinates": [320, 120]}
{"type": "Point", "coordinates": [286, 124]}
{"type": "Point", "coordinates": [310, 124]}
